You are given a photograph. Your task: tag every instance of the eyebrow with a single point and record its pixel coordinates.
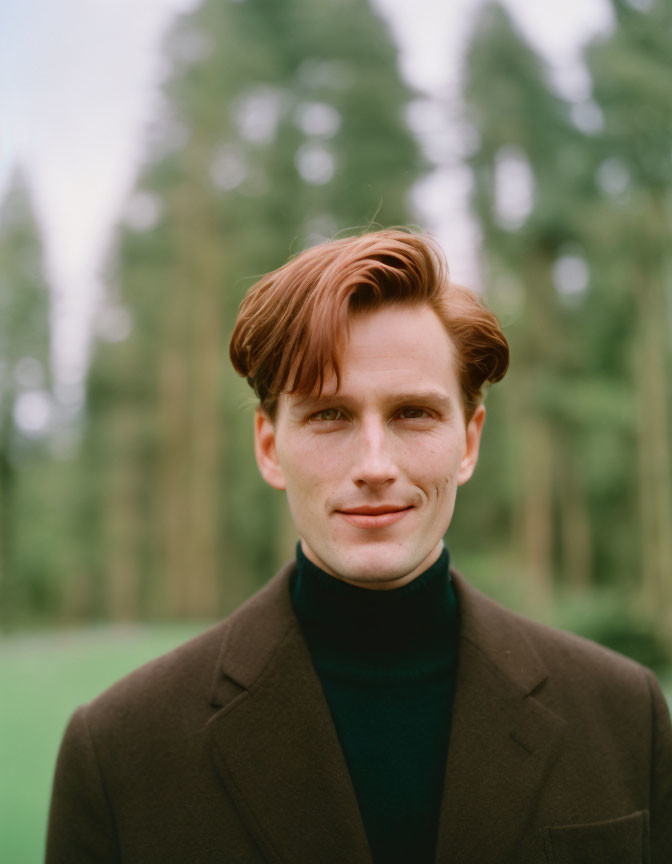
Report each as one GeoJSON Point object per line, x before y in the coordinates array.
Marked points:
{"type": "Point", "coordinates": [415, 397]}
{"type": "Point", "coordinates": [435, 396]}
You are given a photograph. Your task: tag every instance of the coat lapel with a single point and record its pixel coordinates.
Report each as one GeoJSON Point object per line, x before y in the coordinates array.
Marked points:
{"type": "Point", "coordinates": [276, 748]}
{"type": "Point", "coordinates": [275, 744]}
{"type": "Point", "coordinates": [503, 739]}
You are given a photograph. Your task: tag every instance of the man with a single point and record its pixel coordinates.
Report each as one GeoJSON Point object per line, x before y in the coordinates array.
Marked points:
{"type": "Point", "coordinates": [368, 705]}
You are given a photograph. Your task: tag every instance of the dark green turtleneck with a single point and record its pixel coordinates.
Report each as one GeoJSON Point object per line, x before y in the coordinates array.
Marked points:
{"type": "Point", "coordinates": [387, 661]}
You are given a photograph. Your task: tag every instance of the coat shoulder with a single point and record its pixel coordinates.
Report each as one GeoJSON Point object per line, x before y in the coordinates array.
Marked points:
{"type": "Point", "coordinates": [194, 673]}
{"type": "Point", "coordinates": [570, 660]}
{"type": "Point", "coordinates": [163, 683]}
{"type": "Point", "coordinates": [564, 649]}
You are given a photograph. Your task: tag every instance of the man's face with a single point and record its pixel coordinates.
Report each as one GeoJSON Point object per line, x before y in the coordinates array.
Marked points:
{"type": "Point", "coordinates": [371, 471]}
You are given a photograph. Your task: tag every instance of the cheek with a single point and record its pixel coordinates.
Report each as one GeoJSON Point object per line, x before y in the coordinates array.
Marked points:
{"type": "Point", "coordinates": [309, 469]}
{"type": "Point", "coordinates": [445, 487]}
{"type": "Point", "coordinates": [438, 468]}
{"type": "Point", "coordinates": [438, 453]}
{"type": "Point", "coordinates": [322, 459]}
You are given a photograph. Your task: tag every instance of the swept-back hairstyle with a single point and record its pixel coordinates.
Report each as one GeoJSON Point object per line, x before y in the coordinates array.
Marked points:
{"type": "Point", "coordinates": [292, 322]}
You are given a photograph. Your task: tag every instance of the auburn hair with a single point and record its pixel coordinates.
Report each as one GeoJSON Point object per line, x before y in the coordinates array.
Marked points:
{"type": "Point", "coordinates": [291, 323]}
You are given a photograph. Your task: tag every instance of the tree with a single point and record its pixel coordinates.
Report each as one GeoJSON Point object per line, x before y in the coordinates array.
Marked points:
{"type": "Point", "coordinates": [25, 376]}
{"type": "Point", "coordinates": [631, 230]}
{"type": "Point", "coordinates": [272, 135]}
{"type": "Point", "coordinates": [525, 191]}
{"type": "Point", "coordinates": [579, 265]}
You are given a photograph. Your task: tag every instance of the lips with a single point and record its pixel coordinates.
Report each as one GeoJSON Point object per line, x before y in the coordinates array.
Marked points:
{"type": "Point", "coordinates": [379, 516]}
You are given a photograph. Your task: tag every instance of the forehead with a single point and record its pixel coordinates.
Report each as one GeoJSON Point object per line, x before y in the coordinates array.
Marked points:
{"type": "Point", "coordinates": [392, 350]}
{"type": "Point", "coordinates": [396, 338]}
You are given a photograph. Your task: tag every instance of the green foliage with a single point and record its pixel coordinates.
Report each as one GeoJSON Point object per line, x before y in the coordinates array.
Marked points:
{"type": "Point", "coordinates": [272, 135]}
{"type": "Point", "coordinates": [25, 381]}
{"type": "Point", "coordinates": [631, 70]}
{"type": "Point", "coordinates": [607, 617]}
{"type": "Point", "coordinates": [24, 300]}
{"type": "Point", "coordinates": [278, 126]}
{"type": "Point", "coordinates": [584, 493]}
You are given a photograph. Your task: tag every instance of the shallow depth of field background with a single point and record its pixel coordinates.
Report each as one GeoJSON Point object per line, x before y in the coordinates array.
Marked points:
{"type": "Point", "coordinates": [156, 161]}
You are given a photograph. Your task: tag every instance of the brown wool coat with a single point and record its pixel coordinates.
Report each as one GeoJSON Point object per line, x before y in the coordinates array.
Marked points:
{"type": "Point", "coordinates": [224, 751]}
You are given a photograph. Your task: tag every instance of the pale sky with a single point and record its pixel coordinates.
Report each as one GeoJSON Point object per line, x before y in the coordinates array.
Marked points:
{"type": "Point", "coordinates": [78, 79]}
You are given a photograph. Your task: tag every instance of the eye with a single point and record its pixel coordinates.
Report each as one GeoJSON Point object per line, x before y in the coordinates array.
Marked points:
{"type": "Point", "coordinates": [326, 415]}
{"type": "Point", "coordinates": [412, 413]}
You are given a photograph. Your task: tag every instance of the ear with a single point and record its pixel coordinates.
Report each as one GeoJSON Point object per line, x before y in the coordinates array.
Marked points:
{"type": "Point", "coordinates": [266, 452]}
{"type": "Point", "coordinates": [472, 444]}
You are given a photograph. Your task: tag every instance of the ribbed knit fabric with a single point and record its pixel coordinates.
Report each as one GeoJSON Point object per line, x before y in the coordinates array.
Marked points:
{"type": "Point", "coordinates": [387, 662]}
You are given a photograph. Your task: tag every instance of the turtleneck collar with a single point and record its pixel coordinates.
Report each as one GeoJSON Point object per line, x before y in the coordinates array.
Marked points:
{"type": "Point", "coordinates": [402, 632]}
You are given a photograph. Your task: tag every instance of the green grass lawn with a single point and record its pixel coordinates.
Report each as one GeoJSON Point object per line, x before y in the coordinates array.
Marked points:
{"type": "Point", "coordinates": [42, 680]}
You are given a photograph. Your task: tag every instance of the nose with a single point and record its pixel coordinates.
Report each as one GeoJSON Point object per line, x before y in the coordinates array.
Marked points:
{"type": "Point", "coordinates": [374, 464]}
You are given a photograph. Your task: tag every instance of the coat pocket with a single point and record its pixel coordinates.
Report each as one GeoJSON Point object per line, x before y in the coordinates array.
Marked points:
{"type": "Point", "coordinates": [617, 841]}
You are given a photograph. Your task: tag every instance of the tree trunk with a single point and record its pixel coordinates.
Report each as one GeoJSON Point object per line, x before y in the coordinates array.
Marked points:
{"type": "Point", "coordinates": [654, 480]}
{"type": "Point", "coordinates": [202, 258]}
{"type": "Point", "coordinates": [6, 512]}
{"type": "Point", "coordinates": [172, 523]}
{"type": "Point", "coordinates": [534, 431]}
{"type": "Point", "coordinates": [124, 522]}
{"type": "Point", "coordinates": [575, 525]}
{"type": "Point", "coordinates": [190, 400]}
{"type": "Point", "coordinates": [538, 513]}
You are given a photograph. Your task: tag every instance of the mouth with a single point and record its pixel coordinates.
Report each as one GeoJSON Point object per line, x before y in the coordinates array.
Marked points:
{"type": "Point", "coordinates": [374, 517]}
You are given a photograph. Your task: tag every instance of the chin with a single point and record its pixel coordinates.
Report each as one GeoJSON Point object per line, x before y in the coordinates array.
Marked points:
{"type": "Point", "coordinates": [383, 581]}
{"type": "Point", "coordinates": [376, 566]}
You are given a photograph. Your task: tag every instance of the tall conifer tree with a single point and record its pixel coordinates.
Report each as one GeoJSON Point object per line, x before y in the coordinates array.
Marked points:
{"type": "Point", "coordinates": [25, 377]}
{"type": "Point", "coordinates": [527, 167]}
{"type": "Point", "coordinates": [281, 124]}
{"type": "Point", "coordinates": [632, 232]}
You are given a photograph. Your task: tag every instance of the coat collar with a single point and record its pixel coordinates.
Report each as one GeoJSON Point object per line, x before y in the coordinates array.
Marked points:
{"type": "Point", "coordinates": [504, 740]}
{"type": "Point", "coordinates": [277, 750]}
{"type": "Point", "coordinates": [275, 744]}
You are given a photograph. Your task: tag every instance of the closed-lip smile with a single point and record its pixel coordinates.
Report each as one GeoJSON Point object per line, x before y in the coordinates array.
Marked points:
{"type": "Point", "coordinates": [375, 516]}
{"type": "Point", "coordinates": [376, 510]}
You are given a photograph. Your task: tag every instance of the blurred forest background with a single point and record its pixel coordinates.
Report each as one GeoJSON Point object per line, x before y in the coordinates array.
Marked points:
{"type": "Point", "coordinates": [281, 125]}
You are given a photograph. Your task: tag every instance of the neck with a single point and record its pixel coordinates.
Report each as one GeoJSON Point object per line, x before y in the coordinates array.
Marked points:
{"type": "Point", "coordinates": [349, 625]}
